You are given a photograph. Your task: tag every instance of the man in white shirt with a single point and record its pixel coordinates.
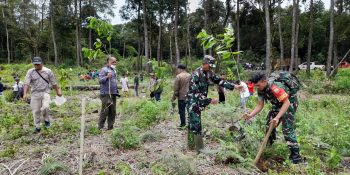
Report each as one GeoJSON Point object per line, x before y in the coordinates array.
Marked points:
{"type": "Point", "coordinates": [244, 93]}
{"type": "Point", "coordinates": [125, 85]}
{"type": "Point", "coordinates": [18, 89]}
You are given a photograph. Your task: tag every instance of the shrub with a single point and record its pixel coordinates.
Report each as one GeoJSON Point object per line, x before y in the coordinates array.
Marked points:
{"type": "Point", "coordinates": [173, 163]}
{"type": "Point", "coordinates": [93, 130]}
{"type": "Point", "coordinates": [9, 151]}
{"type": "Point", "coordinates": [123, 168]}
{"type": "Point", "coordinates": [126, 137]}
{"type": "Point", "coordinates": [150, 136]}
{"type": "Point", "coordinates": [51, 166]}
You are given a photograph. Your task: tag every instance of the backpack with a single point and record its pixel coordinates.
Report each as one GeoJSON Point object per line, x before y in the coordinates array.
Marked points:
{"type": "Point", "coordinates": [287, 79]}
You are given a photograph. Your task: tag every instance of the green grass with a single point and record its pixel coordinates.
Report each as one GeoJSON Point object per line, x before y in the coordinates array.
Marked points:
{"type": "Point", "coordinates": [322, 127]}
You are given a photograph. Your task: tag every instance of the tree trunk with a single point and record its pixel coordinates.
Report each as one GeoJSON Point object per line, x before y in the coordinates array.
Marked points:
{"type": "Point", "coordinates": [280, 34]}
{"type": "Point", "coordinates": [53, 32]}
{"type": "Point", "coordinates": [170, 44]}
{"type": "Point", "coordinates": [268, 37]}
{"type": "Point", "coordinates": [309, 45]}
{"type": "Point", "coordinates": [238, 35]}
{"type": "Point", "coordinates": [124, 51]}
{"type": "Point", "coordinates": [146, 35]}
{"type": "Point", "coordinates": [335, 58]}
{"type": "Point", "coordinates": [228, 10]}
{"type": "Point", "coordinates": [297, 59]}
{"type": "Point", "coordinates": [292, 49]}
{"type": "Point", "coordinates": [331, 38]}
{"type": "Point", "coordinates": [139, 65]}
{"type": "Point", "coordinates": [42, 16]}
{"type": "Point", "coordinates": [90, 31]}
{"type": "Point", "coordinates": [188, 35]}
{"type": "Point", "coordinates": [159, 33]}
{"type": "Point", "coordinates": [205, 21]}
{"type": "Point", "coordinates": [145, 30]}
{"type": "Point", "coordinates": [79, 35]}
{"type": "Point", "coordinates": [177, 52]}
{"type": "Point", "coordinates": [7, 38]}
{"type": "Point", "coordinates": [77, 32]}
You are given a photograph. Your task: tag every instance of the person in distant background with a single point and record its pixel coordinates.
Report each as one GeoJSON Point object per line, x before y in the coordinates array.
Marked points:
{"type": "Point", "coordinates": [125, 85]}
{"type": "Point", "coordinates": [18, 89]}
{"type": "Point", "coordinates": [221, 91]}
{"type": "Point", "coordinates": [136, 84]}
{"type": "Point", "coordinates": [244, 93]}
{"type": "Point", "coordinates": [1, 87]}
{"type": "Point", "coordinates": [250, 88]}
{"type": "Point", "coordinates": [155, 87]}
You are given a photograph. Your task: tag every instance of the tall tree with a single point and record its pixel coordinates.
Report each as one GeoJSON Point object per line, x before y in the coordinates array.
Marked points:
{"type": "Point", "coordinates": [280, 33]}
{"type": "Point", "coordinates": [7, 35]}
{"type": "Point", "coordinates": [205, 7]}
{"type": "Point", "coordinates": [177, 52]}
{"type": "Point", "coordinates": [90, 31]}
{"type": "Point", "coordinates": [237, 31]}
{"type": "Point", "coordinates": [53, 32]}
{"type": "Point", "coordinates": [268, 37]}
{"type": "Point", "coordinates": [228, 11]}
{"type": "Point", "coordinates": [160, 13]}
{"type": "Point", "coordinates": [292, 50]}
{"type": "Point", "coordinates": [331, 38]}
{"type": "Point", "coordinates": [296, 47]}
{"type": "Point", "coordinates": [77, 33]}
{"type": "Point", "coordinates": [145, 29]}
{"type": "Point", "coordinates": [309, 45]}
{"type": "Point", "coordinates": [188, 37]}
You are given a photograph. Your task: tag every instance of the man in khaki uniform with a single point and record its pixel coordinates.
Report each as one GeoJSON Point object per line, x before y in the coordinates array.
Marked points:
{"type": "Point", "coordinates": [180, 91]}
{"type": "Point", "coordinates": [40, 79]}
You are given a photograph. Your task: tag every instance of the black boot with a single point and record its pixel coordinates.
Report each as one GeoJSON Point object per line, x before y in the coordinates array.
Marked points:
{"type": "Point", "coordinates": [295, 156]}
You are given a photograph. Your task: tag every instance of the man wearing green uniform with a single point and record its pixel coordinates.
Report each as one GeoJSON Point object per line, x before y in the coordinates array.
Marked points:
{"type": "Point", "coordinates": [197, 99]}
{"type": "Point", "coordinates": [283, 97]}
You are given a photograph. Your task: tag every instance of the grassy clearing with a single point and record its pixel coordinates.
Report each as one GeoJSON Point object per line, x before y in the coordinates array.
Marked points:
{"type": "Point", "coordinates": [322, 126]}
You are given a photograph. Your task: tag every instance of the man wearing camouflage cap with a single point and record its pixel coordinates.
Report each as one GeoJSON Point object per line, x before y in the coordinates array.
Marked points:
{"type": "Point", "coordinates": [197, 99]}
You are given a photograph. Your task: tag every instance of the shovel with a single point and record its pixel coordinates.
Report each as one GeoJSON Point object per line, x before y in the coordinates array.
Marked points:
{"type": "Point", "coordinates": [264, 142]}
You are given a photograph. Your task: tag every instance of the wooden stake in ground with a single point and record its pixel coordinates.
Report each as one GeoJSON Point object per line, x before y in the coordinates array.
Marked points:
{"type": "Point", "coordinates": [263, 144]}
{"type": "Point", "coordinates": [82, 129]}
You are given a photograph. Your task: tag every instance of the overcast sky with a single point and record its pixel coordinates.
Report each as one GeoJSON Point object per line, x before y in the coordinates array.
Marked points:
{"type": "Point", "coordinates": [194, 4]}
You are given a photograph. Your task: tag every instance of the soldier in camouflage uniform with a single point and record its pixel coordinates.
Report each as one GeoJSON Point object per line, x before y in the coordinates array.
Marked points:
{"type": "Point", "coordinates": [197, 99]}
{"type": "Point", "coordinates": [283, 97]}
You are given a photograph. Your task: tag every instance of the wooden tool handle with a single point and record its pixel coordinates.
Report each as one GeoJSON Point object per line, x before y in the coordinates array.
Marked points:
{"type": "Point", "coordinates": [263, 144]}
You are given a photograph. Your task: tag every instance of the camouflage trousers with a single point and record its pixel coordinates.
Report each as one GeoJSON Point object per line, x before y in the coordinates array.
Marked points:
{"type": "Point", "coordinates": [287, 121]}
{"type": "Point", "coordinates": [194, 118]}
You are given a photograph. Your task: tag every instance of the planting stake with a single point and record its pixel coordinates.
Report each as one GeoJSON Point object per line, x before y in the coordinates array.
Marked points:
{"type": "Point", "coordinates": [82, 128]}
{"type": "Point", "coordinates": [263, 144]}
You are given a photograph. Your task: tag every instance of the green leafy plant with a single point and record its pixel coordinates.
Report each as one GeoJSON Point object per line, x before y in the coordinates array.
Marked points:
{"type": "Point", "coordinates": [123, 168]}
{"type": "Point", "coordinates": [126, 137]}
{"type": "Point", "coordinates": [104, 31]}
{"type": "Point", "coordinates": [222, 45]}
{"type": "Point", "coordinates": [9, 151]}
{"type": "Point", "coordinates": [173, 163]}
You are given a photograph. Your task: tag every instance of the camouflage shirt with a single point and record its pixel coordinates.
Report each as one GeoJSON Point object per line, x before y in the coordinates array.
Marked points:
{"type": "Point", "coordinates": [276, 93]}
{"type": "Point", "coordinates": [199, 84]}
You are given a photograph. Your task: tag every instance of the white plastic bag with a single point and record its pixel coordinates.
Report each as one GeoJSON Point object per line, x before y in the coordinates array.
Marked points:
{"type": "Point", "coordinates": [60, 100]}
{"type": "Point", "coordinates": [46, 102]}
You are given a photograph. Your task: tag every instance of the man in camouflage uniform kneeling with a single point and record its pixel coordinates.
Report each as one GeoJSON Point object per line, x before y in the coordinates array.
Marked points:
{"type": "Point", "coordinates": [281, 90]}
{"type": "Point", "coordinates": [197, 99]}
